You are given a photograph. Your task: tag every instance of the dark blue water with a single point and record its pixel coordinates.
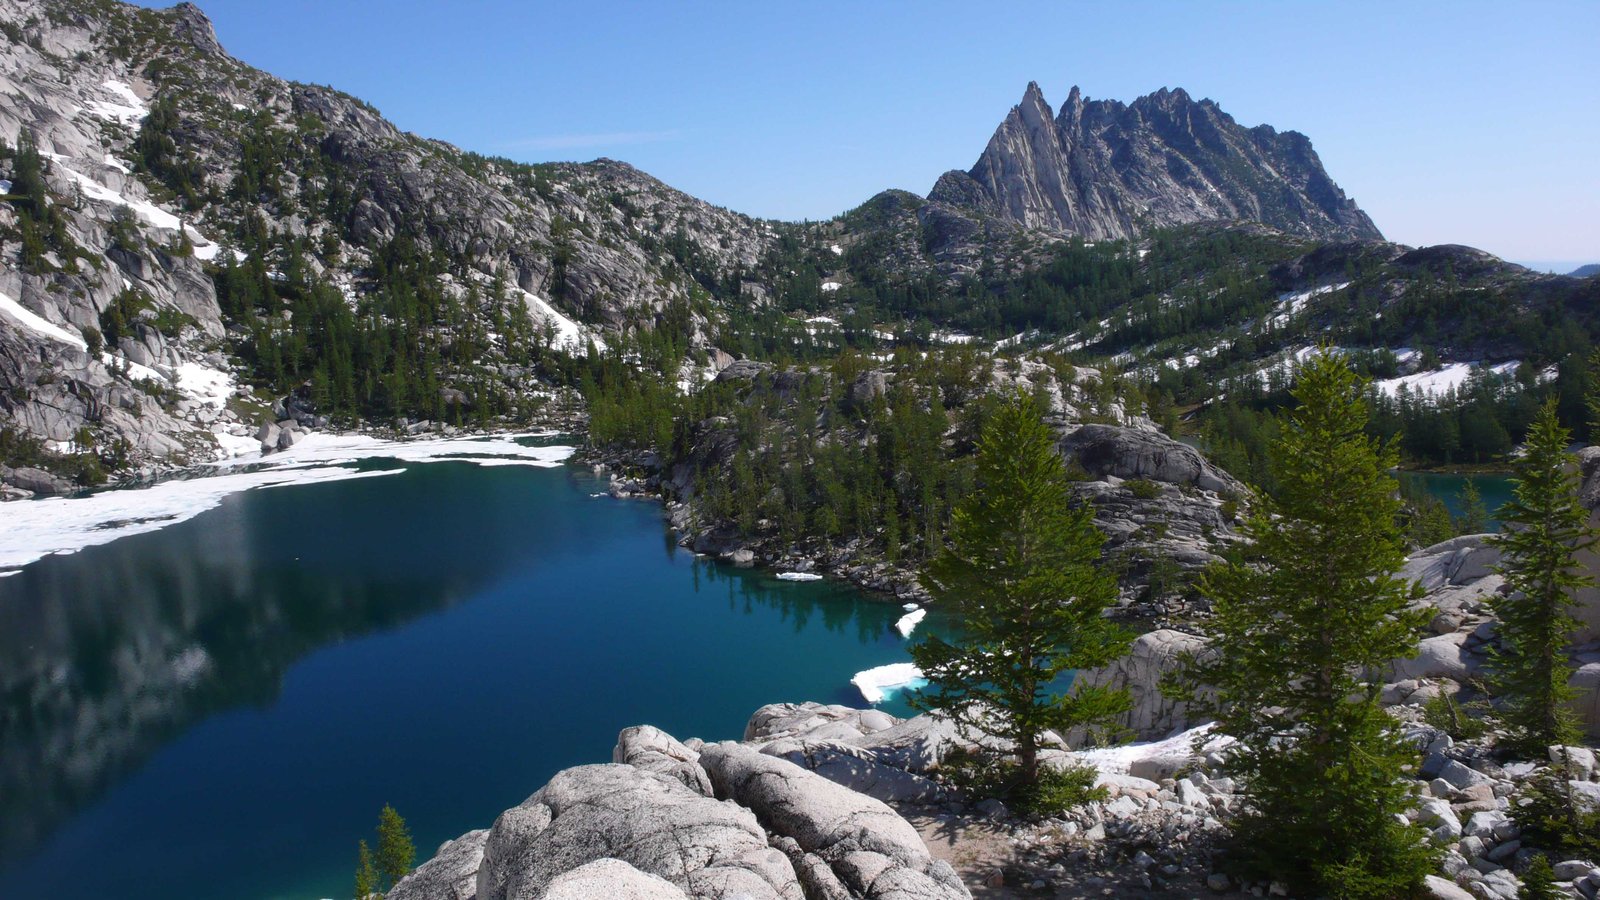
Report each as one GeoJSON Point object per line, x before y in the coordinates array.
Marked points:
{"type": "Point", "coordinates": [219, 709]}
{"type": "Point", "coordinates": [1494, 490]}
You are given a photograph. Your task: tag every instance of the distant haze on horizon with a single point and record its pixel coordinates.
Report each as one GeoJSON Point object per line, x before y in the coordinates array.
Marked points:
{"type": "Point", "coordinates": [1465, 123]}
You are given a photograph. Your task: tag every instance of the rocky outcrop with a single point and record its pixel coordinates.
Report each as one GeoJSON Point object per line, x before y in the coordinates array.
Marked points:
{"type": "Point", "coordinates": [845, 844]}
{"type": "Point", "coordinates": [452, 873]}
{"type": "Point", "coordinates": [1105, 170]}
{"type": "Point", "coordinates": [1153, 657]}
{"type": "Point", "coordinates": [651, 822]}
{"type": "Point", "coordinates": [676, 820]}
{"type": "Point", "coordinates": [1130, 453]}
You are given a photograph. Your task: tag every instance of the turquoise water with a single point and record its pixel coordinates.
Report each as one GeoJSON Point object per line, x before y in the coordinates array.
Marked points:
{"type": "Point", "coordinates": [1495, 490]}
{"type": "Point", "coordinates": [219, 709]}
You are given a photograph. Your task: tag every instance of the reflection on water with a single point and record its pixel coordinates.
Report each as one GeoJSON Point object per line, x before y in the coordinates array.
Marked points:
{"type": "Point", "coordinates": [219, 708]}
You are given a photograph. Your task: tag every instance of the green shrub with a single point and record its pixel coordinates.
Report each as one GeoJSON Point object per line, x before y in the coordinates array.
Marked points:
{"type": "Point", "coordinates": [1143, 488]}
{"type": "Point", "coordinates": [981, 775]}
{"type": "Point", "coordinates": [1554, 821]}
{"type": "Point", "coordinates": [1445, 714]}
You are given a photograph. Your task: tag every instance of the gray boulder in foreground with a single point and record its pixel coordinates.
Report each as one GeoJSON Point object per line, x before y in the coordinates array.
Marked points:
{"type": "Point", "coordinates": [671, 820]}
{"type": "Point", "coordinates": [652, 822]}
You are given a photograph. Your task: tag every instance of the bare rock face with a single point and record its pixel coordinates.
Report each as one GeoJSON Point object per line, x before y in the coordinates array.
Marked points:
{"type": "Point", "coordinates": [1152, 657]}
{"type": "Point", "coordinates": [1138, 453]}
{"type": "Point", "coordinates": [1106, 170]}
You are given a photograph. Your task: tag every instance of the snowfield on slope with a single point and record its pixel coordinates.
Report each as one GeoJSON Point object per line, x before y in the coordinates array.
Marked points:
{"type": "Point", "coordinates": [565, 334]}
{"type": "Point", "coordinates": [38, 324]}
{"type": "Point", "coordinates": [1438, 382]}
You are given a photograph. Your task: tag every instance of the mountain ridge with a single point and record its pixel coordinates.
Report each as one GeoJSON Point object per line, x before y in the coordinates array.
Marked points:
{"type": "Point", "coordinates": [1105, 170]}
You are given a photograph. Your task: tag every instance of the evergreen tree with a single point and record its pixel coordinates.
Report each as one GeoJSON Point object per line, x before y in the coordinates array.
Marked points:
{"type": "Point", "coordinates": [1545, 524]}
{"type": "Point", "coordinates": [1539, 881]}
{"type": "Point", "coordinates": [1304, 613]}
{"type": "Point", "coordinates": [366, 873]}
{"type": "Point", "coordinates": [1474, 516]}
{"type": "Point", "coordinates": [1020, 566]}
{"type": "Point", "coordinates": [395, 850]}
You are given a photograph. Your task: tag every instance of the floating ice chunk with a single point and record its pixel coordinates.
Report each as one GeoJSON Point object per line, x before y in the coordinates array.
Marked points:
{"type": "Point", "coordinates": [799, 576]}
{"type": "Point", "coordinates": [37, 324]}
{"type": "Point", "coordinates": [910, 606]}
{"type": "Point", "coordinates": [909, 621]}
{"type": "Point", "coordinates": [878, 683]}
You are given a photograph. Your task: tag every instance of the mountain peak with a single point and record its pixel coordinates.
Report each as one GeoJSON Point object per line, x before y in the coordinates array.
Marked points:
{"type": "Point", "coordinates": [1106, 170]}
{"type": "Point", "coordinates": [194, 26]}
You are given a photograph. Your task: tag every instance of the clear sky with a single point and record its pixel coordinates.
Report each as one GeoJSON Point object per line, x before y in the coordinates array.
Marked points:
{"type": "Point", "coordinates": [1458, 122]}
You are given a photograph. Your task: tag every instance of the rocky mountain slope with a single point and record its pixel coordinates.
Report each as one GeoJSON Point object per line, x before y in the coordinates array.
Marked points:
{"type": "Point", "coordinates": [149, 174]}
{"type": "Point", "coordinates": [1103, 170]}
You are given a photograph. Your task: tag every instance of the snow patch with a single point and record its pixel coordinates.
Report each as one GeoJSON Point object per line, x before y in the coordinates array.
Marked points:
{"type": "Point", "coordinates": [878, 683]}
{"type": "Point", "coordinates": [566, 334]}
{"type": "Point", "coordinates": [33, 529]}
{"type": "Point", "coordinates": [37, 324]}
{"type": "Point", "coordinates": [96, 191]}
{"type": "Point", "coordinates": [799, 576]}
{"type": "Point", "coordinates": [909, 621]}
{"type": "Point", "coordinates": [1441, 381]}
{"type": "Point", "coordinates": [1290, 305]}
{"type": "Point", "coordinates": [951, 337]}
{"type": "Point", "coordinates": [128, 109]}
{"type": "Point", "coordinates": [1117, 760]}
{"type": "Point", "coordinates": [211, 387]}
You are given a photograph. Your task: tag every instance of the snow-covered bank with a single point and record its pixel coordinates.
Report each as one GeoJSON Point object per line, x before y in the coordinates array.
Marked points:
{"type": "Point", "coordinates": [33, 529]}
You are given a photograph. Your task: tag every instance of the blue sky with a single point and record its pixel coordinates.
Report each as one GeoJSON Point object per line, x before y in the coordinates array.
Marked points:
{"type": "Point", "coordinates": [1458, 122]}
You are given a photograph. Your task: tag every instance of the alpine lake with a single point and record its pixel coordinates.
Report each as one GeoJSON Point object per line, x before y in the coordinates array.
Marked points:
{"type": "Point", "coordinates": [221, 707]}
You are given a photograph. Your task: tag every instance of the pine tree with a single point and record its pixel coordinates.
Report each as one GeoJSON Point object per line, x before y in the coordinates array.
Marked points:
{"type": "Point", "coordinates": [1021, 567]}
{"type": "Point", "coordinates": [1303, 614]}
{"type": "Point", "coordinates": [1544, 525]}
{"type": "Point", "coordinates": [1474, 516]}
{"type": "Point", "coordinates": [366, 873]}
{"type": "Point", "coordinates": [395, 850]}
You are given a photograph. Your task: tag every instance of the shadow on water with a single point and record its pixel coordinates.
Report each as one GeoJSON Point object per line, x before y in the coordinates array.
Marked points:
{"type": "Point", "coordinates": [218, 708]}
